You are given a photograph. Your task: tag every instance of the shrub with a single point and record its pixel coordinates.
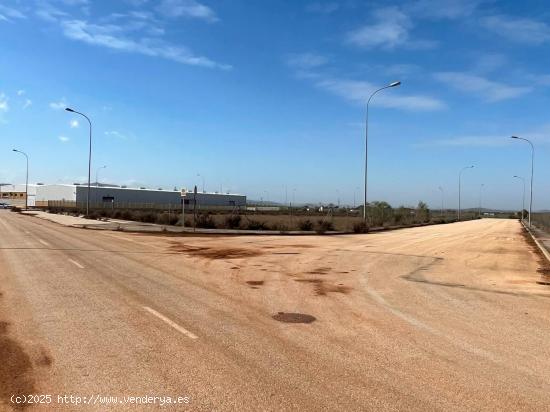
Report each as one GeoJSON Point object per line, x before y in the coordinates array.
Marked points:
{"type": "Point", "coordinates": [147, 217]}
{"type": "Point", "coordinates": [360, 227]}
{"type": "Point", "coordinates": [16, 209]}
{"type": "Point", "coordinates": [255, 225]}
{"type": "Point", "coordinates": [232, 222]}
{"type": "Point", "coordinates": [324, 226]}
{"type": "Point", "coordinates": [92, 215]}
{"type": "Point", "coordinates": [280, 226]}
{"type": "Point", "coordinates": [305, 225]}
{"type": "Point", "coordinates": [206, 221]}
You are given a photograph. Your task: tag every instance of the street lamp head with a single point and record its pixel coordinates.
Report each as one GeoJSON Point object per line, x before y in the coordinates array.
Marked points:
{"type": "Point", "coordinates": [395, 84]}
{"type": "Point", "coordinates": [14, 150]}
{"type": "Point", "coordinates": [514, 137]}
{"type": "Point", "coordinates": [69, 109]}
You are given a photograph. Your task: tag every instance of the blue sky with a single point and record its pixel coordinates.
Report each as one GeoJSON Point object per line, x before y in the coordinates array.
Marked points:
{"type": "Point", "coordinates": [257, 96]}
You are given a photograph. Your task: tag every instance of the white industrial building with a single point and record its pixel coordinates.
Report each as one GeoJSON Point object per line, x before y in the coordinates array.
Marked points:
{"type": "Point", "coordinates": [14, 195]}
{"type": "Point", "coordinates": [64, 195]}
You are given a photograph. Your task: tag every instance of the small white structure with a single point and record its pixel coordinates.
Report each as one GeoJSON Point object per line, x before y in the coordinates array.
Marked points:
{"type": "Point", "coordinates": [14, 195]}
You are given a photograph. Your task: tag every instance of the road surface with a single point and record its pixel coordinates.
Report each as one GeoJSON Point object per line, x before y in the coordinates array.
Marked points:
{"type": "Point", "coordinates": [445, 317]}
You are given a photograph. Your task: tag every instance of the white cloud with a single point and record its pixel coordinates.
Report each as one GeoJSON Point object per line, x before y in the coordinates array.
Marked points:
{"type": "Point", "coordinates": [49, 13]}
{"type": "Point", "coordinates": [443, 9]}
{"type": "Point", "coordinates": [27, 104]}
{"type": "Point", "coordinates": [74, 124]}
{"type": "Point", "coordinates": [359, 91]}
{"type": "Point", "coordinates": [520, 30]}
{"type": "Point", "coordinates": [8, 13]}
{"type": "Point", "coordinates": [63, 139]}
{"type": "Point", "coordinates": [306, 61]}
{"type": "Point", "coordinates": [4, 107]}
{"type": "Point", "coordinates": [108, 36]}
{"type": "Point", "coordinates": [322, 7]}
{"type": "Point", "coordinates": [60, 105]}
{"type": "Point", "coordinates": [488, 90]}
{"type": "Point", "coordinates": [391, 29]}
{"type": "Point", "coordinates": [115, 134]}
{"type": "Point", "coordinates": [186, 8]}
{"type": "Point", "coordinates": [20, 92]}
{"type": "Point", "coordinates": [539, 135]}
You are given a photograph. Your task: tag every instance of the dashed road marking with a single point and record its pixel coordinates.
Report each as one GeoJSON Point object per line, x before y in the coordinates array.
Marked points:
{"type": "Point", "coordinates": [74, 262]}
{"type": "Point", "coordinates": [173, 324]}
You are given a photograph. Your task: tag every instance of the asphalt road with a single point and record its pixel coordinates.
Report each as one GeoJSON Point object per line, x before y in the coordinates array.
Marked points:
{"type": "Point", "coordinates": [436, 318]}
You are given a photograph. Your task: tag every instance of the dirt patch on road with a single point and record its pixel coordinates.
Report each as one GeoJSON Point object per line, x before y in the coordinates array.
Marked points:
{"type": "Point", "coordinates": [319, 271]}
{"type": "Point", "coordinates": [214, 252]}
{"type": "Point", "coordinates": [15, 369]}
{"type": "Point", "coordinates": [322, 288]}
{"type": "Point", "coordinates": [289, 317]}
{"type": "Point", "coordinates": [255, 282]}
{"type": "Point", "coordinates": [544, 265]}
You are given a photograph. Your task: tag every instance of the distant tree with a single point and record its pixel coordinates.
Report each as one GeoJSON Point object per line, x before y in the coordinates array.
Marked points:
{"type": "Point", "coordinates": [422, 212]}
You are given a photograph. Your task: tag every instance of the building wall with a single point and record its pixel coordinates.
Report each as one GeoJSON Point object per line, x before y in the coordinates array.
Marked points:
{"type": "Point", "coordinates": [15, 194]}
{"type": "Point", "coordinates": [214, 199]}
{"type": "Point", "coordinates": [55, 192]}
{"type": "Point", "coordinates": [100, 195]}
{"type": "Point", "coordinates": [116, 197]}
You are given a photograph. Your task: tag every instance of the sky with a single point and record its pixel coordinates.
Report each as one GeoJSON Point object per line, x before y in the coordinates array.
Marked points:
{"type": "Point", "coordinates": [268, 98]}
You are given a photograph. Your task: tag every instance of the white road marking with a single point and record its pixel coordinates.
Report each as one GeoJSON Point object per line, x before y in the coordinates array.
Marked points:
{"type": "Point", "coordinates": [74, 262]}
{"type": "Point", "coordinates": [44, 242]}
{"type": "Point", "coordinates": [171, 323]}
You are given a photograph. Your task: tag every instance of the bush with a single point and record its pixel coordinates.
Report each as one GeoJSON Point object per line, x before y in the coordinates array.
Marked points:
{"type": "Point", "coordinates": [360, 227]}
{"type": "Point", "coordinates": [305, 225]}
{"type": "Point", "coordinates": [147, 217]}
{"type": "Point", "coordinates": [280, 226]}
{"type": "Point", "coordinates": [255, 225]}
{"type": "Point", "coordinates": [206, 221]}
{"type": "Point", "coordinates": [324, 226]}
{"type": "Point", "coordinates": [16, 209]}
{"type": "Point", "coordinates": [92, 215]}
{"type": "Point", "coordinates": [232, 222]}
{"type": "Point", "coordinates": [167, 219]}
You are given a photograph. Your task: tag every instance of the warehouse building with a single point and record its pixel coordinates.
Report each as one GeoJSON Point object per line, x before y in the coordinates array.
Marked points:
{"type": "Point", "coordinates": [206, 199]}
{"type": "Point", "coordinates": [66, 196]}
{"type": "Point", "coordinates": [14, 195]}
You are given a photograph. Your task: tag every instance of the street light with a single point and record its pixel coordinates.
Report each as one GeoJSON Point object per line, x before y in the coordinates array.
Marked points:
{"type": "Point", "coordinates": [532, 172]}
{"type": "Point", "coordinates": [393, 84]}
{"type": "Point", "coordinates": [26, 180]}
{"type": "Point", "coordinates": [480, 189]}
{"type": "Point", "coordinates": [96, 174]}
{"type": "Point", "coordinates": [202, 177]}
{"type": "Point", "coordinates": [523, 198]}
{"type": "Point", "coordinates": [460, 187]}
{"type": "Point", "coordinates": [89, 157]}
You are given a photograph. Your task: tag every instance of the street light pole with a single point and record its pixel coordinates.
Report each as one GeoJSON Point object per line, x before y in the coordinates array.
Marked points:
{"type": "Point", "coordinates": [523, 198]}
{"type": "Point", "coordinates": [202, 177]}
{"type": "Point", "coordinates": [532, 173]}
{"type": "Point", "coordinates": [26, 179]}
{"type": "Point", "coordinates": [460, 187]}
{"type": "Point", "coordinates": [480, 189]}
{"type": "Point", "coordinates": [96, 175]}
{"type": "Point", "coordinates": [393, 84]}
{"type": "Point", "coordinates": [89, 157]}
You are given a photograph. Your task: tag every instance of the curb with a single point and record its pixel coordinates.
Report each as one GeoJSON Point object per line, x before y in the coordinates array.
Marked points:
{"type": "Point", "coordinates": [539, 244]}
